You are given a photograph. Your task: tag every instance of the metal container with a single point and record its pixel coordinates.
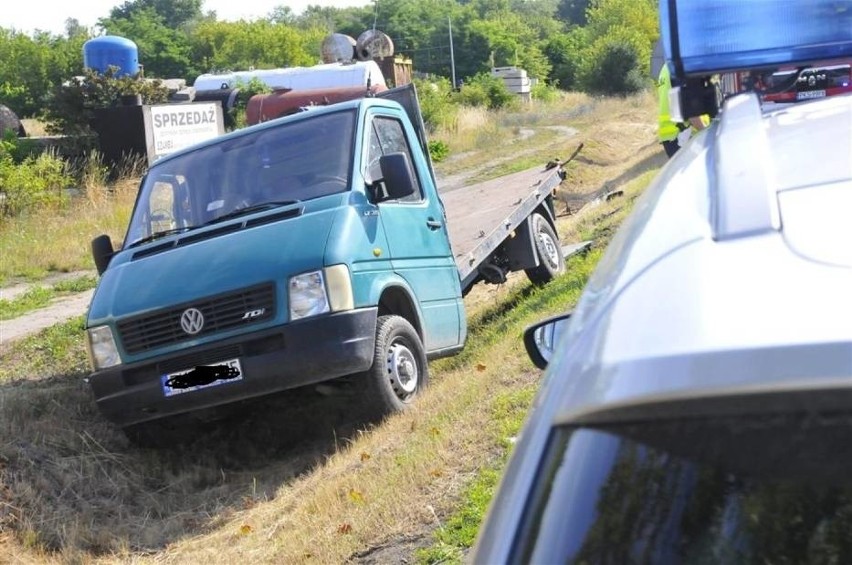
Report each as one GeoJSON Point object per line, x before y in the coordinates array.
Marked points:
{"type": "Point", "coordinates": [265, 107]}
{"type": "Point", "coordinates": [373, 44]}
{"type": "Point", "coordinates": [338, 48]}
{"type": "Point", "coordinates": [297, 78]}
{"type": "Point", "coordinates": [101, 53]}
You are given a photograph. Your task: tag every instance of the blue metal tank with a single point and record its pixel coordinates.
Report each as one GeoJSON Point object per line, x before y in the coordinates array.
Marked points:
{"type": "Point", "coordinates": [107, 51]}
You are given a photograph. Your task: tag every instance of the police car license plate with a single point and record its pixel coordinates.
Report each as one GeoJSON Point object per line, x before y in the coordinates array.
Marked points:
{"type": "Point", "coordinates": [808, 94]}
{"type": "Point", "coordinates": [173, 391]}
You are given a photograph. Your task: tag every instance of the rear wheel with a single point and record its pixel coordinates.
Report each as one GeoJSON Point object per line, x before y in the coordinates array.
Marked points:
{"type": "Point", "coordinates": [551, 262]}
{"type": "Point", "coordinates": [399, 370]}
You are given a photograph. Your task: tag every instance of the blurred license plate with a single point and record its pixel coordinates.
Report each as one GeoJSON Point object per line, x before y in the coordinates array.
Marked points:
{"type": "Point", "coordinates": [808, 94]}
{"type": "Point", "coordinates": [172, 391]}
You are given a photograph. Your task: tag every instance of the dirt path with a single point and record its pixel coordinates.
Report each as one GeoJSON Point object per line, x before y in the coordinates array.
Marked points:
{"type": "Point", "coordinates": [58, 311]}
{"type": "Point", "coordinates": [447, 183]}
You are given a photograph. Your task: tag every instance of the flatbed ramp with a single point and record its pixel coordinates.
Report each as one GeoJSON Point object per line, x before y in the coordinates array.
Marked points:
{"type": "Point", "coordinates": [481, 216]}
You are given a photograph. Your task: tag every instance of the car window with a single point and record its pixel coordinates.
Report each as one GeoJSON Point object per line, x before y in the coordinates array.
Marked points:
{"type": "Point", "coordinates": [388, 136]}
{"type": "Point", "coordinates": [736, 490]}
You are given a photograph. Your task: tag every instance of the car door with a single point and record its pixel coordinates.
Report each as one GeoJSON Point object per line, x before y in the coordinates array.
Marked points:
{"type": "Point", "coordinates": [417, 234]}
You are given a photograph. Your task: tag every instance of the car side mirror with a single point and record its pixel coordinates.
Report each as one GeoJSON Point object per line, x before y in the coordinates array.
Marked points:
{"type": "Point", "coordinates": [397, 175]}
{"type": "Point", "coordinates": [541, 339]}
{"type": "Point", "coordinates": [102, 252]}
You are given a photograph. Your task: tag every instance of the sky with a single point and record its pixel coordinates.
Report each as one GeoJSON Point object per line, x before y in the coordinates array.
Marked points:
{"type": "Point", "coordinates": [50, 15]}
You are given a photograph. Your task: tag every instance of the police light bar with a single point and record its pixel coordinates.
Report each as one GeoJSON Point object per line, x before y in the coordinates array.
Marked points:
{"type": "Point", "coordinates": [703, 37]}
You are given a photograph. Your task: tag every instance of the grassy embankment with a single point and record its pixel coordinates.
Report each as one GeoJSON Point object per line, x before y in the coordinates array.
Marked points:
{"type": "Point", "coordinates": [298, 479]}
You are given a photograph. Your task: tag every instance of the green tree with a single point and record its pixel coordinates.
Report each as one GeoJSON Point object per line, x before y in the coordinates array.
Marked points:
{"type": "Point", "coordinates": [174, 13]}
{"type": "Point", "coordinates": [73, 28]}
{"type": "Point", "coordinates": [282, 14]}
{"type": "Point", "coordinates": [616, 63]}
{"type": "Point", "coordinates": [619, 38]}
{"type": "Point", "coordinates": [565, 52]}
{"type": "Point", "coordinates": [31, 66]}
{"type": "Point", "coordinates": [638, 15]}
{"type": "Point", "coordinates": [164, 51]}
{"type": "Point", "coordinates": [573, 11]}
{"type": "Point", "coordinates": [510, 41]}
{"type": "Point", "coordinates": [218, 46]}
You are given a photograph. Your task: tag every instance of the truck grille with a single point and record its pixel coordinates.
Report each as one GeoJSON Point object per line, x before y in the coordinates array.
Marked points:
{"type": "Point", "coordinates": [223, 312]}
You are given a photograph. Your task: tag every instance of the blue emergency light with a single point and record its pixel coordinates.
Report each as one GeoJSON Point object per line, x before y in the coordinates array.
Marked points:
{"type": "Point", "coordinates": [703, 37]}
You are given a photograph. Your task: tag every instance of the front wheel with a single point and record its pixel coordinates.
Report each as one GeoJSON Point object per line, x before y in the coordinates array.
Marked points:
{"type": "Point", "coordinates": [551, 262]}
{"type": "Point", "coordinates": [399, 370]}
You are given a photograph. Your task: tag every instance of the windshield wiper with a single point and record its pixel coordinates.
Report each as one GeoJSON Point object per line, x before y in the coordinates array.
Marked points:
{"type": "Point", "coordinates": [249, 209]}
{"type": "Point", "coordinates": [158, 235]}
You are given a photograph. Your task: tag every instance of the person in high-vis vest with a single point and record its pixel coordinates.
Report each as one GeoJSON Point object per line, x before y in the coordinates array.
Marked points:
{"type": "Point", "coordinates": [673, 135]}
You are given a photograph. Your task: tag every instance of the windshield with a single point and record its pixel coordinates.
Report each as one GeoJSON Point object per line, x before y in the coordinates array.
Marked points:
{"type": "Point", "coordinates": [770, 489]}
{"type": "Point", "coordinates": [295, 161]}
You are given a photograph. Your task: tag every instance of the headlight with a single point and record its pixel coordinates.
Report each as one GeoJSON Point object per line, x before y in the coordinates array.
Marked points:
{"type": "Point", "coordinates": [307, 295]}
{"type": "Point", "coordinates": [102, 350]}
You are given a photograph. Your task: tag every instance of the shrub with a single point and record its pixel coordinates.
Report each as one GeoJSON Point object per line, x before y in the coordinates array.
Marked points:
{"type": "Point", "coordinates": [36, 181]}
{"type": "Point", "coordinates": [613, 64]}
{"type": "Point", "coordinates": [544, 92]}
{"type": "Point", "coordinates": [18, 148]}
{"type": "Point", "coordinates": [487, 91]}
{"type": "Point", "coordinates": [436, 103]}
{"type": "Point", "coordinates": [71, 109]}
{"type": "Point", "coordinates": [247, 90]}
{"type": "Point", "coordinates": [438, 151]}
{"type": "Point", "coordinates": [565, 52]}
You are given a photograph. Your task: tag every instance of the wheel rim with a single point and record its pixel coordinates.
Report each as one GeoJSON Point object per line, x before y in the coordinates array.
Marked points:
{"type": "Point", "coordinates": [402, 370]}
{"type": "Point", "coordinates": [551, 252]}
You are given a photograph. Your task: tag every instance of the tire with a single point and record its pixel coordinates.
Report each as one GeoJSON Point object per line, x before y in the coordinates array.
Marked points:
{"type": "Point", "coordinates": [549, 251]}
{"type": "Point", "coordinates": [399, 372]}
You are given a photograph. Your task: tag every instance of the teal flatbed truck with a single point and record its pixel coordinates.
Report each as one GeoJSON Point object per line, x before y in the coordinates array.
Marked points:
{"type": "Point", "coordinates": [298, 251]}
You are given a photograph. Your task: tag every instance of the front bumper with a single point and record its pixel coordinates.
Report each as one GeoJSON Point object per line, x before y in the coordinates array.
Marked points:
{"type": "Point", "coordinates": [289, 356]}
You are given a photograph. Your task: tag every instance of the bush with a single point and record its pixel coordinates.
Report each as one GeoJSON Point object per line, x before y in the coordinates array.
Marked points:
{"type": "Point", "coordinates": [436, 103]}
{"type": "Point", "coordinates": [487, 91]}
{"type": "Point", "coordinates": [613, 63]}
{"type": "Point", "coordinates": [438, 151]}
{"type": "Point", "coordinates": [35, 182]}
{"type": "Point", "coordinates": [71, 109]}
{"type": "Point", "coordinates": [565, 52]}
{"type": "Point", "coordinates": [18, 148]}
{"type": "Point", "coordinates": [247, 90]}
{"type": "Point", "coordinates": [544, 92]}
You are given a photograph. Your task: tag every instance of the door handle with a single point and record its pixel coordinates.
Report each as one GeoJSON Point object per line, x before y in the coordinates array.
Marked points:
{"type": "Point", "coordinates": [433, 224]}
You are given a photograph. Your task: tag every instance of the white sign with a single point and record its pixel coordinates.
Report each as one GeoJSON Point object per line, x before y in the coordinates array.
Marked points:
{"type": "Point", "coordinates": [176, 126]}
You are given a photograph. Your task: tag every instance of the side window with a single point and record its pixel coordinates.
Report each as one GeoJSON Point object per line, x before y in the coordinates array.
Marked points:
{"type": "Point", "coordinates": [387, 136]}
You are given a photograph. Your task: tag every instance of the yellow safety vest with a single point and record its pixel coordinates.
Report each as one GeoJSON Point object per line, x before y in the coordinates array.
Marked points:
{"type": "Point", "coordinates": [667, 130]}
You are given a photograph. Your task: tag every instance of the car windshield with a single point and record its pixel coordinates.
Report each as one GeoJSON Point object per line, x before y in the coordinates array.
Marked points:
{"type": "Point", "coordinates": [772, 489]}
{"type": "Point", "coordinates": [291, 162]}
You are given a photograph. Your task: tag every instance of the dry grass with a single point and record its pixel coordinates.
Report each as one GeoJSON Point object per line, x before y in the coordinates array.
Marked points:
{"type": "Point", "coordinates": [57, 240]}
{"type": "Point", "coordinates": [34, 128]}
{"type": "Point", "coordinates": [297, 478]}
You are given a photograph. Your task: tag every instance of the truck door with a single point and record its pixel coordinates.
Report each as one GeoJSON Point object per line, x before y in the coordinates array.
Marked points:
{"type": "Point", "coordinates": [417, 235]}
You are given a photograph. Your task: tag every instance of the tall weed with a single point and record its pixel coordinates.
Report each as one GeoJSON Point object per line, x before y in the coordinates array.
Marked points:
{"type": "Point", "coordinates": [38, 181]}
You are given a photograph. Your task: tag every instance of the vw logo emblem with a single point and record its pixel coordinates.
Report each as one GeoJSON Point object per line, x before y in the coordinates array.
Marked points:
{"type": "Point", "coordinates": [191, 321]}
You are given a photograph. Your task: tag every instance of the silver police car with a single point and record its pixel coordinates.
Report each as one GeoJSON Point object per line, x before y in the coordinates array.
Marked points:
{"type": "Point", "coordinates": [697, 406]}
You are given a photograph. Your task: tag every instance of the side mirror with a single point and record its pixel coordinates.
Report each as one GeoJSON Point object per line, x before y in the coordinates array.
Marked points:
{"type": "Point", "coordinates": [102, 252]}
{"type": "Point", "coordinates": [541, 339]}
{"type": "Point", "coordinates": [397, 175]}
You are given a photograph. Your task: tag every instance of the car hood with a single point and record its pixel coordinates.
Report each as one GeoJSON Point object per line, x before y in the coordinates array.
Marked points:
{"type": "Point", "coordinates": [259, 248]}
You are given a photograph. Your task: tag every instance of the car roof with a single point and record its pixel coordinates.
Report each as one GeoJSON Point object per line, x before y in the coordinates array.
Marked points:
{"type": "Point", "coordinates": [732, 274]}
